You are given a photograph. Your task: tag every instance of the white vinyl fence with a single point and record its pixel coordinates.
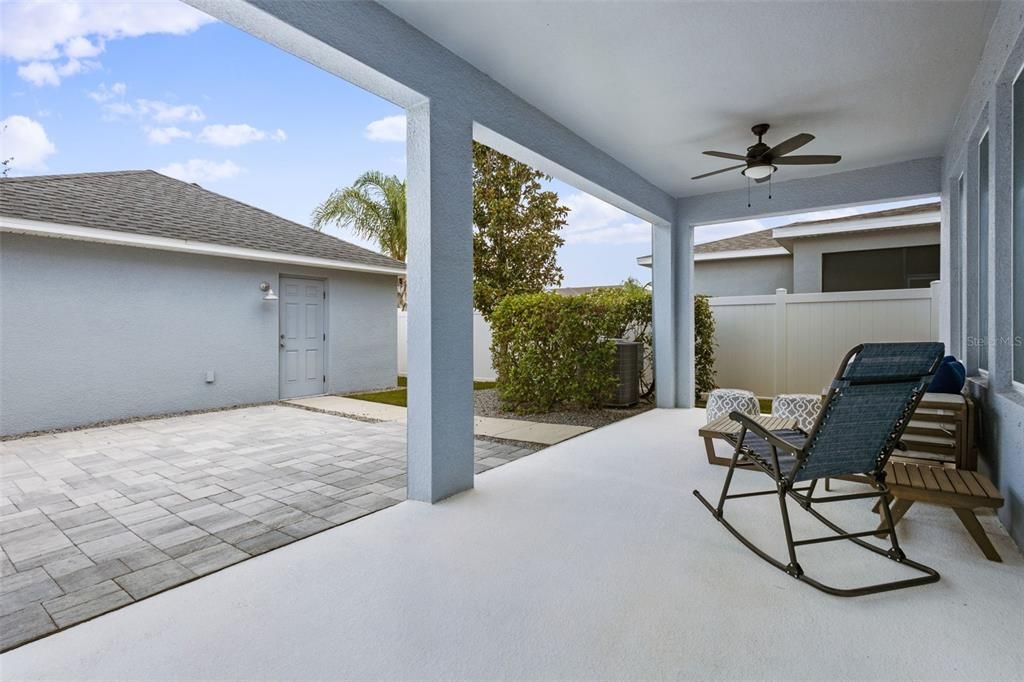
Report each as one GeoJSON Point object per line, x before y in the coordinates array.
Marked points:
{"type": "Point", "coordinates": [482, 369]}
{"type": "Point", "coordinates": [792, 343]}
{"type": "Point", "coordinates": [776, 343]}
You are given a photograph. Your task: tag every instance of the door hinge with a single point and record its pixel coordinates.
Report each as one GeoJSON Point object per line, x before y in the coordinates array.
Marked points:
{"type": "Point", "coordinates": [325, 378]}
{"type": "Point", "coordinates": [325, 336]}
{"type": "Point", "coordinates": [325, 295]}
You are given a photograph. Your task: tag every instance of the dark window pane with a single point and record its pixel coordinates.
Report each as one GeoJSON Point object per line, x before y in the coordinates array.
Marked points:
{"type": "Point", "coordinates": [1018, 230]}
{"type": "Point", "coordinates": [983, 229]}
{"type": "Point", "coordinates": [898, 268]}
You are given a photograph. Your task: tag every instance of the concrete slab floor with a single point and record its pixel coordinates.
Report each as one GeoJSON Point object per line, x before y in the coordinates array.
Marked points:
{"type": "Point", "coordinates": [593, 561]}
{"type": "Point", "coordinates": [95, 519]}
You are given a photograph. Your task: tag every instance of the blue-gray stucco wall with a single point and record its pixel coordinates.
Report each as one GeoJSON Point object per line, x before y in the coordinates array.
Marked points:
{"type": "Point", "coordinates": [987, 107]}
{"type": "Point", "coordinates": [91, 332]}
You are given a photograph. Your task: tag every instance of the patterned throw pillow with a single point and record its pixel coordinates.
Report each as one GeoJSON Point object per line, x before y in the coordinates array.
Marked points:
{"type": "Point", "coordinates": [722, 401]}
{"type": "Point", "coordinates": [803, 407]}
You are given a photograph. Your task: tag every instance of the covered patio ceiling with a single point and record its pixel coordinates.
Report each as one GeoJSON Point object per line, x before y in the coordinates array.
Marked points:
{"type": "Point", "coordinates": [877, 82]}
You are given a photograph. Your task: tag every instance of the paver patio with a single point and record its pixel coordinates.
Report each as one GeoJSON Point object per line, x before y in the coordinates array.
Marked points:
{"type": "Point", "coordinates": [95, 519]}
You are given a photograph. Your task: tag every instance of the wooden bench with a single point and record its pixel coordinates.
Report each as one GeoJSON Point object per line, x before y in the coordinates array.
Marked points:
{"type": "Point", "coordinates": [961, 491]}
{"type": "Point", "coordinates": [942, 431]}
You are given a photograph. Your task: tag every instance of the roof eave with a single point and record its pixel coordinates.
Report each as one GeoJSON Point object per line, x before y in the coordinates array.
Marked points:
{"type": "Point", "coordinates": [90, 234]}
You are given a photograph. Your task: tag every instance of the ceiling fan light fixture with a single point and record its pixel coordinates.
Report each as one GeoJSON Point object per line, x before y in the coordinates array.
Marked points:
{"type": "Point", "coordinates": [759, 171]}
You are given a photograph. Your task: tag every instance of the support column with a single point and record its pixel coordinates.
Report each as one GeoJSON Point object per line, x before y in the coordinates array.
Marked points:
{"type": "Point", "coordinates": [672, 265]}
{"type": "Point", "coordinates": [440, 265]}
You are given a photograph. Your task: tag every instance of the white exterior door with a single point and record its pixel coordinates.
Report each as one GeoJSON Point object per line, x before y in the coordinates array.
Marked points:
{"type": "Point", "coordinates": [303, 338]}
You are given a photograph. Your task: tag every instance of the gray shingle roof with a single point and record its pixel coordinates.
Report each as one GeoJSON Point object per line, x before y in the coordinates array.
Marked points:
{"type": "Point", "coordinates": [889, 213]}
{"type": "Point", "coordinates": [148, 203]}
{"type": "Point", "coordinates": [751, 240]}
{"type": "Point", "coordinates": [763, 238]}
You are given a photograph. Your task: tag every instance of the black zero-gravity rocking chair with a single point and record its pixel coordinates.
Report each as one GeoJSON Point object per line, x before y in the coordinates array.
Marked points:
{"type": "Point", "coordinates": [864, 415]}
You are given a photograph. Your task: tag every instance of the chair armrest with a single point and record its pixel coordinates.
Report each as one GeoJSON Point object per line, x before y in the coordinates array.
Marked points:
{"type": "Point", "coordinates": [756, 428]}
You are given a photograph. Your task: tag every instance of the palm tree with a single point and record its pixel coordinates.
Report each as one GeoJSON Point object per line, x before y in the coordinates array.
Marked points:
{"type": "Point", "coordinates": [374, 207]}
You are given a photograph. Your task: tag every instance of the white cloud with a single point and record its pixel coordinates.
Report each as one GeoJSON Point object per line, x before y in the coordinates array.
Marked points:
{"type": "Point", "coordinates": [25, 142]}
{"type": "Point", "coordinates": [105, 94]}
{"type": "Point", "coordinates": [592, 221]}
{"type": "Point", "coordinates": [80, 30]}
{"type": "Point", "coordinates": [155, 111]}
{"type": "Point", "coordinates": [237, 134]}
{"type": "Point", "coordinates": [162, 112]}
{"type": "Point", "coordinates": [39, 73]}
{"type": "Point", "coordinates": [201, 170]}
{"type": "Point", "coordinates": [166, 135]}
{"type": "Point", "coordinates": [234, 135]}
{"type": "Point", "coordinates": [390, 129]}
{"type": "Point", "coordinates": [80, 47]}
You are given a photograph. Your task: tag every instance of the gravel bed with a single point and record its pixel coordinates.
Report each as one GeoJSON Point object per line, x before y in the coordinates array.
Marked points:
{"type": "Point", "coordinates": [486, 405]}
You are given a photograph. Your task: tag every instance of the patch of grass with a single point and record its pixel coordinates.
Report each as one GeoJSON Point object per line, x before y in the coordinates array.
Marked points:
{"type": "Point", "coordinates": [397, 396]}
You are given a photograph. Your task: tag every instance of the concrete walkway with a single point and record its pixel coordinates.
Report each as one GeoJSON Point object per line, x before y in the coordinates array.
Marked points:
{"type": "Point", "coordinates": [591, 561]}
{"type": "Point", "coordinates": [509, 429]}
{"type": "Point", "coordinates": [95, 519]}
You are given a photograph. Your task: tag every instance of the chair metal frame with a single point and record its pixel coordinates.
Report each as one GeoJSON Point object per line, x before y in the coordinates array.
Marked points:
{"type": "Point", "coordinates": [785, 488]}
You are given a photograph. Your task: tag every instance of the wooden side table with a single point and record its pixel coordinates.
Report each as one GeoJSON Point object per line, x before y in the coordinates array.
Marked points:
{"type": "Point", "coordinates": [723, 427]}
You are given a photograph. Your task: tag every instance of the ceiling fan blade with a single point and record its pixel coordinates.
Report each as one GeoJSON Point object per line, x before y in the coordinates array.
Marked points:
{"type": "Point", "coordinates": [727, 155]}
{"type": "Point", "coordinates": [790, 145]}
{"type": "Point", "coordinates": [723, 170]}
{"type": "Point", "coordinates": [806, 160]}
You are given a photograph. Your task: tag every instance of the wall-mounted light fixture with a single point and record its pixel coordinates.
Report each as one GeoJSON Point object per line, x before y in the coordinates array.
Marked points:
{"type": "Point", "coordinates": [268, 292]}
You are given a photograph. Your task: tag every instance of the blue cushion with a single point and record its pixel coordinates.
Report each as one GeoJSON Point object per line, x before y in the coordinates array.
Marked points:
{"type": "Point", "coordinates": [949, 377]}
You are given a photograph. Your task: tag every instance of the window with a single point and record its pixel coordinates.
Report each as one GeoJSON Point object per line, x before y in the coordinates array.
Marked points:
{"type": "Point", "coordinates": [961, 241]}
{"type": "Point", "coordinates": [983, 233]}
{"type": "Point", "coordinates": [1017, 236]}
{"type": "Point", "coordinates": [910, 267]}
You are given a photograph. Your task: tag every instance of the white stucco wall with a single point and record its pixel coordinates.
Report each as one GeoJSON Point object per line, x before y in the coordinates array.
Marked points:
{"type": "Point", "coordinates": [807, 251]}
{"type": "Point", "coordinates": [743, 276]}
{"type": "Point", "coordinates": [91, 332]}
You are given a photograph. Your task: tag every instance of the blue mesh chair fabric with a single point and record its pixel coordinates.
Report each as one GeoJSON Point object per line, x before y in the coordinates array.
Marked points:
{"type": "Point", "coordinates": [867, 409]}
{"type": "Point", "coordinates": [758, 448]}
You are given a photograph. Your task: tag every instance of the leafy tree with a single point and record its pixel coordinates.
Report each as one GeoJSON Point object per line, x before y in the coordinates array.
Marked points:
{"type": "Point", "coordinates": [516, 224]}
{"type": "Point", "coordinates": [374, 207]}
{"type": "Point", "coordinates": [516, 229]}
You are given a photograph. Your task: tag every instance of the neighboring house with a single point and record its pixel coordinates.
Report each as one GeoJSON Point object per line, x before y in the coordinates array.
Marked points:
{"type": "Point", "coordinates": [131, 293]}
{"type": "Point", "coordinates": [894, 249]}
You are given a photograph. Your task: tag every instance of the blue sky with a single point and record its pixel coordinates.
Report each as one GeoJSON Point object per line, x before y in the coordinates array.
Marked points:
{"type": "Point", "coordinates": [93, 86]}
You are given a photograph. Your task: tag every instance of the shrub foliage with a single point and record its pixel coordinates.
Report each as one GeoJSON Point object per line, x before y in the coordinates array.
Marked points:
{"type": "Point", "coordinates": [703, 346]}
{"type": "Point", "coordinates": [551, 350]}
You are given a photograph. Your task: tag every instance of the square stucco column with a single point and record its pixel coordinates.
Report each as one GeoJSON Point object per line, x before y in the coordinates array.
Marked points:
{"type": "Point", "coordinates": [672, 264]}
{"type": "Point", "coordinates": [440, 266]}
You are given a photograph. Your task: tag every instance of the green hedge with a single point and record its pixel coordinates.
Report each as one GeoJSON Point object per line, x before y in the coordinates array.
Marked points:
{"type": "Point", "coordinates": [550, 350]}
{"type": "Point", "coordinates": [703, 346]}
